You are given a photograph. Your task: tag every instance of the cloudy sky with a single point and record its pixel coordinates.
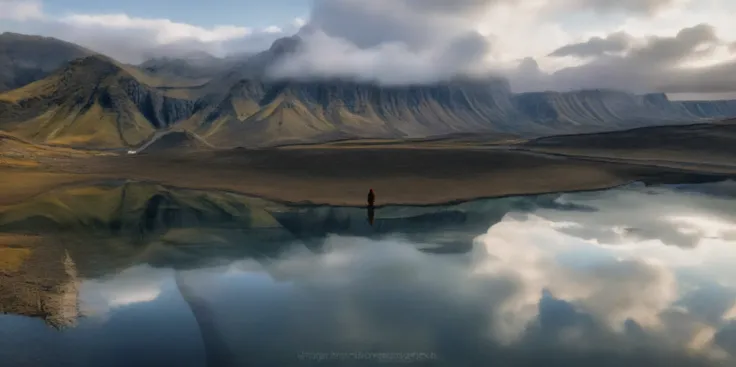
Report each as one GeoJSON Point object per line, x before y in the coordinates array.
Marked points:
{"type": "Point", "coordinates": [684, 47]}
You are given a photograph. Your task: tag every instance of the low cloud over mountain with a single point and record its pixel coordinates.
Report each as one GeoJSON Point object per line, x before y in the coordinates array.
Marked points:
{"type": "Point", "coordinates": [675, 46]}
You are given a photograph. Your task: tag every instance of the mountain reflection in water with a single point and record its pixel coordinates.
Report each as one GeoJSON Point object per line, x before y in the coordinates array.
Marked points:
{"type": "Point", "coordinates": [631, 276]}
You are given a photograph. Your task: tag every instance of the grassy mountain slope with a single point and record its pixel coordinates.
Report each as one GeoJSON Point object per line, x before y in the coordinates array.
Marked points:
{"type": "Point", "coordinates": [95, 102]}
{"type": "Point", "coordinates": [16, 152]}
{"type": "Point", "coordinates": [92, 102]}
{"type": "Point", "coordinates": [25, 59]}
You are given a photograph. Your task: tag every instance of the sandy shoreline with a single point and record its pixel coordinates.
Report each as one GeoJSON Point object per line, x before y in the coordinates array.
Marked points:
{"type": "Point", "coordinates": [343, 177]}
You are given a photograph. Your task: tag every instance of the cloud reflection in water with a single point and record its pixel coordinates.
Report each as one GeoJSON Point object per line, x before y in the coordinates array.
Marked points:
{"type": "Point", "coordinates": [633, 276]}
{"type": "Point", "coordinates": [565, 285]}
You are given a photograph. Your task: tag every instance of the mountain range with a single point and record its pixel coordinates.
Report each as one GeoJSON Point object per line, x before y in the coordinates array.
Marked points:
{"type": "Point", "coordinates": [59, 93]}
{"type": "Point", "coordinates": [25, 58]}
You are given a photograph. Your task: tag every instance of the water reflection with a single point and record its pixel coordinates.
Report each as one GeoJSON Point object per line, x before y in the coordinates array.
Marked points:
{"type": "Point", "coordinates": [371, 214]}
{"type": "Point", "coordinates": [632, 276]}
{"type": "Point", "coordinates": [371, 206]}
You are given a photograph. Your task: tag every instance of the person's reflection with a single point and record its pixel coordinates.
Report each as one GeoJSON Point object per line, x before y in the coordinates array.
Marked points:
{"type": "Point", "coordinates": [371, 207]}
{"type": "Point", "coordinates": [371, 214]}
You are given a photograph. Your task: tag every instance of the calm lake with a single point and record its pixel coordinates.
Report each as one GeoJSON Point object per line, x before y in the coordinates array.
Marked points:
{"type": "Point", "coordinates": [135, 274]}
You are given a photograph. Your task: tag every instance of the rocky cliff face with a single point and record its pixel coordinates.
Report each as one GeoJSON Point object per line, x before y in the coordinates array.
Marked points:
{"type": "Point", "coordinates": [414, 110]}
{"type": "Point", "coordinates": [260, 113]}
{"type": "Point", "coordinates": [161, 111]}
{"type": "Point", "coordinates": [597, 110]}
{"type": "Point", "coordinates": [709, 109]}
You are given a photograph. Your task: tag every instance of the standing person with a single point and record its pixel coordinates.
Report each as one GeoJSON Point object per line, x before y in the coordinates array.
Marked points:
{"type": "Point", "coordinates": [371, 198]}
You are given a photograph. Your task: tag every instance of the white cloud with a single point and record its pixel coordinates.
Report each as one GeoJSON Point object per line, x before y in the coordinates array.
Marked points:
{"type": "Point", "coordinates": [21, 10]}
{"type": "Point", "coordinates": [630, 215]}
{"type": "Point", "coordinates": [134, 285]}
{"type": "Point", "coordinates": [613, 290]}
{"type": "Point", "coordinates": [164, 30]}
{"type": "Point", "coordinates": [675, 46]}
{"type": "Point", "coordinates": [391, 41]}
{"type": "Point", "coordinates": [134, 39]}
{"type": "Point", "coordinates": [273, 29]}
{"type": "Point", "coordinates": [400, 41]}
{"type": "Point", "coordinates": [389, 295]}
{"type": "Point", "coordinates": [299, 22]}
{"type": "Point", "coordinates": [140, 295]}
{"type": "Point", "coordinates": [631, 6]}
{"type": "Point", "coordinates": [388, 63]}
